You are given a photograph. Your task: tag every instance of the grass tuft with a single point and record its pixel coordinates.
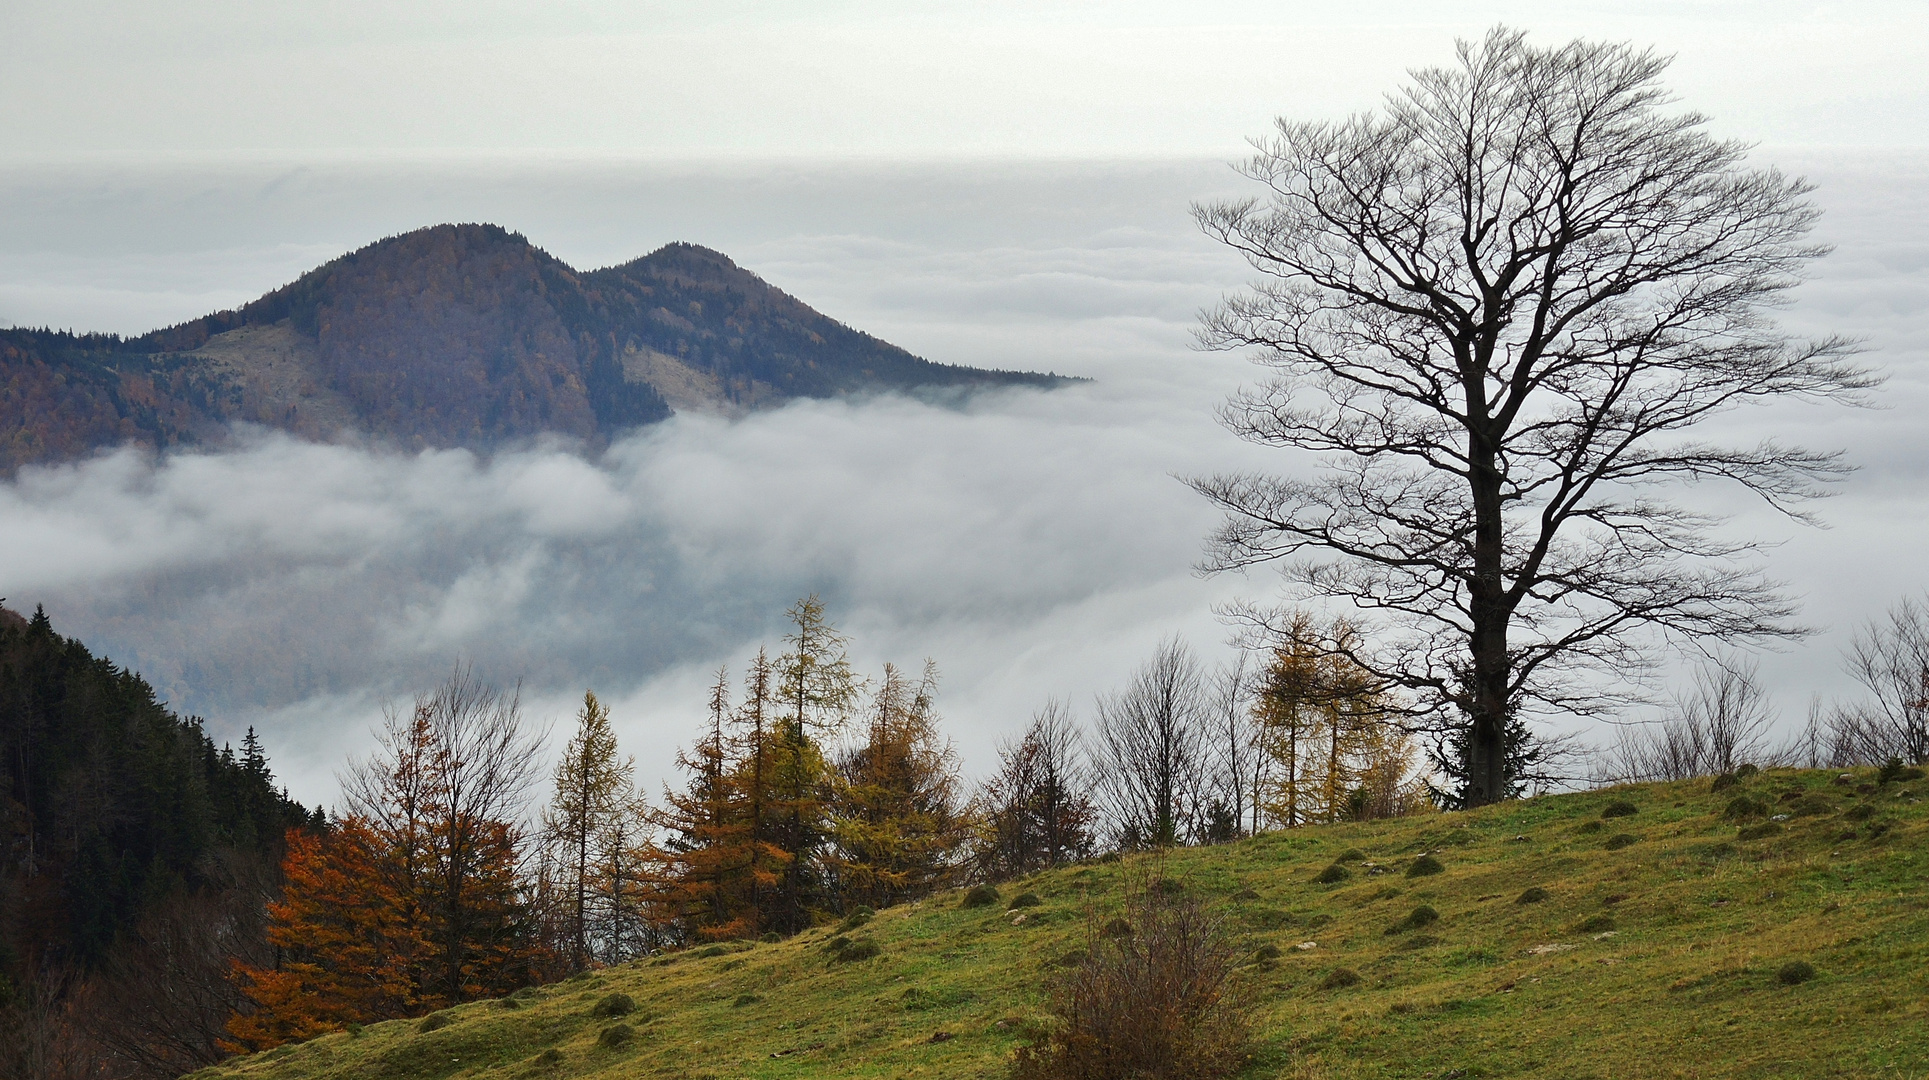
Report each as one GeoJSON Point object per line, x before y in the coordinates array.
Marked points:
{"type": "Point", "coordinates": [1333, 875]}
{"type": "Point", "coordinates": [1425, 866]}
{"type": "Point", "coordinates": [613, 1005]}
{"type": "Point", "coordinates": [1417, 918]}
{"type": "Point", "coordinates": [1795, 972]}
{"type": "Point", "coordinates": [1534, 894]}
{"type": "Point", "coordinates": [979, 896]}
{"type": "Point", "coordinates": [1340, 979]}
{"type": "Point", "coordinates": [1620, 840]}
{"type": "Point", "coordinates": [1620, 808]}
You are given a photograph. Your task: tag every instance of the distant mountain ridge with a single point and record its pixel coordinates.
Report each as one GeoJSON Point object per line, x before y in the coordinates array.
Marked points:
{"type": "Point", "coordinates": [454, 335]}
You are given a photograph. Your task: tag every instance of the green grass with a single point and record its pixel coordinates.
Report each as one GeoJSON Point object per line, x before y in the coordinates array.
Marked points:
{"type": "Point", "coordinates": [1687, 983]}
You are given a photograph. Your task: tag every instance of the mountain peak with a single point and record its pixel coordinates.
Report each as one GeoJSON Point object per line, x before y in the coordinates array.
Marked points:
{"type": "Point", "coordinates": [455, 335]}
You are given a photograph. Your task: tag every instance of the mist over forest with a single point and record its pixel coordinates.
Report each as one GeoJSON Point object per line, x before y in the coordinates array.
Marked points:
{"type": "Point", "coordinates": [1033, 544]}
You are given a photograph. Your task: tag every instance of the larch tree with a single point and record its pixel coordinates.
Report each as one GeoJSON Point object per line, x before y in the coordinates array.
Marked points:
{"type": "Point", "coordinates": [816, 692]}
{"type": "Point", "coordinates": [1497, 311]}
{"type": "Point", "coordinates": [348, 945]}
{"type": "Point", "coordinates": [593, 801]}
{"type": "Point", "coordinates": [709, 850]}
{"type": "Point", "coordinates": [897, 823]}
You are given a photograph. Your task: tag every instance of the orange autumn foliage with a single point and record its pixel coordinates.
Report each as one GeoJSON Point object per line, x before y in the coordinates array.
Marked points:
{"type": "Point", "coordinates": [352, 942]}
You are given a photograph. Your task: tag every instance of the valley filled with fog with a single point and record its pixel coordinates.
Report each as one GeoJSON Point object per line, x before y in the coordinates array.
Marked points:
{"type": "Point", "coordinates": [1035, 544]}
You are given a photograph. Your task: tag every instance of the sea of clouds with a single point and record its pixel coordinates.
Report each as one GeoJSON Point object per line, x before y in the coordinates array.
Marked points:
{"type": "Point", "coordinates": [1033, 544]}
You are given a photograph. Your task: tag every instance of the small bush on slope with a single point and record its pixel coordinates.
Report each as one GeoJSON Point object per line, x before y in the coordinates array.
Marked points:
{"type": "Point", "coordinates": [1154, 1002]}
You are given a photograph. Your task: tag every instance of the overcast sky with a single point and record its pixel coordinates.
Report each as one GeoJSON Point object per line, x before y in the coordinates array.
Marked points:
{"type": "Point", "coordinates": [869, 77]}
{"type": "Point", "coordinates": [162, 160]}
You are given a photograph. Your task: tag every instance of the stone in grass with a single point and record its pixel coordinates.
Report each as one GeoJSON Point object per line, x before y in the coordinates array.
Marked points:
{"type": "Point", "coordinates": [979, 896]}
{"type": "Point", "coordinates": [1333, 875]}
{"type": "Point", "coordinates": [612, 1005]}
{"type": "Point", "coordinates": [1759, 832]}
{"type": "Point", "coordinates": [1621, 840]}
{"type": "Point", "coordinates": [1795, 972]}
{"type": "Point", "coordinates": [1339, 979]}
{"type": "Point", "coordinates": [1534, 895]}
{"type": "Point", "coordinates": [435, 1021]}
{"type": "Point", "coordinates": [1596, 924]}
{"type": "Point", "coordinates": [1620, 808]}
{"type": "Point", "coordinates": [1424, 865]}
{"type": "Point", "coordinates": [1025, 899]}
{"type": "Point", "coordinates": [616, 1035]}
{"type": "Point", "coordinates": [1417, 918]}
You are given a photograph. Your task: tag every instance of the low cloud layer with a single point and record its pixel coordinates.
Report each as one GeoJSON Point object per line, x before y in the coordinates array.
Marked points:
{"type": "Point", "coordinates": [1034, 544]}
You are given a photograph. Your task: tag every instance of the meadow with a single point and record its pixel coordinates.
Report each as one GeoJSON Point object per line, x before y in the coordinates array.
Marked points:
{"type": "Point", "coordinates": [1770, 926]}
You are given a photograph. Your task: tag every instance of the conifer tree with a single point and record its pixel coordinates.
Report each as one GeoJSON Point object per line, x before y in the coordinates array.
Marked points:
{"type": "Point", "coordinates": [350, 949]}
{"type": "Point", "coordinates": [593, 800]}
{"type": "Point", "coordinates": [816, 691]}
{"type": "Point", "coordinates": [710, 853]}
{"type": "Point", "coordinates": [897, 823]}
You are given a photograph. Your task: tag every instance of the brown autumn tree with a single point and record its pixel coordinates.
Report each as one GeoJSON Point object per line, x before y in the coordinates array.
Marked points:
{"type": "Point", "coordinates": [353, 946]}
{"type": "Point", "coordinates": [1036, 810]}
{"type": "Point", "coordinates": [897, 822]}
{"type": "Point", "coordinates": [446, 793]}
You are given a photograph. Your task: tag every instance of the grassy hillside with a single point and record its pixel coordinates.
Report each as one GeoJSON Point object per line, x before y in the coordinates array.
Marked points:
{"type": "Point", "coordinates": [1655, 956]}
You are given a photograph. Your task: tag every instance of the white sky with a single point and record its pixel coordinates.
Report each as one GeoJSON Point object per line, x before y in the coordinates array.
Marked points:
{"type": "Point", "coordinates": [162, 160]}
{"type": "Point", "coordinates": [92, 78]}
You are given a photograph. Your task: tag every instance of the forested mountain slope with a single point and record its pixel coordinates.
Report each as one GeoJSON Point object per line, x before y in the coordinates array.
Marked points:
{"type": "Point", "coordinates": [455, 335]}
{"type": "Point", "coordinates": [1644, 931]}
{"type": "Point", "coordinates": [135, 856]}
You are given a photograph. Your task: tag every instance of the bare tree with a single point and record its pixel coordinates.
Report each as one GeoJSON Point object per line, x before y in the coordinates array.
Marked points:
{"type": "Point", "coordinates": [1036, 811]}
{"type": "Point", "coordinates": [1720, 723]}
{"type": "Point", "coordinates": [448, 789]}
{"type": "Point", "coordinates": [1239, 758]}
{"type": "Point", "coordinates": [1153, 750]}
{"type": "Point", "coordinates": [1891, 661]}
{"type": "Point", "coordinates": [1495, 310]}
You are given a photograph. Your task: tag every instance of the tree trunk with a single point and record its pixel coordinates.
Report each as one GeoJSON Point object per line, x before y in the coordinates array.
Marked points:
{"type": "Point", "coordinates": [1487, 696]}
